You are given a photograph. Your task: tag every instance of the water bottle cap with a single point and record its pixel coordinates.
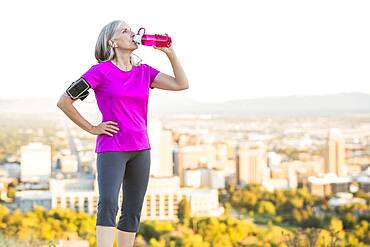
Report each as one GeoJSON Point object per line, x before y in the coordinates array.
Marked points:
{"type": "Point", "coordinates": [137, 38]}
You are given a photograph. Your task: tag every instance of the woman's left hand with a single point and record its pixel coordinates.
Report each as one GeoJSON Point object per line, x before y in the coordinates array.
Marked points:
{"type": "Point", "coordinates": [167, 50]}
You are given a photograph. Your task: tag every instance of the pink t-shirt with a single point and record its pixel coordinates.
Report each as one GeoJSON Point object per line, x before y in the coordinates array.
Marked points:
{"type": "Point", "coordinates": [122, 97]}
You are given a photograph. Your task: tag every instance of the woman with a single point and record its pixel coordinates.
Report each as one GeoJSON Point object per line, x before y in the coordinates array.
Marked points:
{"type": "Point", "coordinates": [123, 150]}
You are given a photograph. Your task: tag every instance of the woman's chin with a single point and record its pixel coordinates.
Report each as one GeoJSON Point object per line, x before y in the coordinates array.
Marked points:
{"type": "Point", "coordinates": [134, 47]}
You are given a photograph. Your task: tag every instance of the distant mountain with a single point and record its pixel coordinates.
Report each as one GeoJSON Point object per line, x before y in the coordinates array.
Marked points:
{"type": "Point", "coordinates": [323, 104]}
{"type": "Point", "coordinates": [336, 103]}
{"type": "Point", "coordinates": [25, 106]}
{"type": "Point", "coordinates": [171, 104]}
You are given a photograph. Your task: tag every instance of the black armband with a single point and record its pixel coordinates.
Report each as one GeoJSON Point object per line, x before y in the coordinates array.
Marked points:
{"type": "Point", "coordinates": [84, 95]}
{"type": "Point", "coordinates": [78, 89]}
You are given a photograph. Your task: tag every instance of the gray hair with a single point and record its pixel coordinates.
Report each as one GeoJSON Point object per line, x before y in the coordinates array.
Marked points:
{"type": "Point", "coordinates": [103, 51]}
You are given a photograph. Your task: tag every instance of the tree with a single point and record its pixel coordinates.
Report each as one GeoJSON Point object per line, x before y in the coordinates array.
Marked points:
{"type": "Point", "coordinates": [227, 208]}
{"type": "Point", "coordinates": [349, 220]}
{"type": "Point", "coordinates": [183, 212]}
{"type": "Point", "coordinates": [362, 231]}
{"type": "Point", "coordinates": [214, 232]}
{"type": "Point", "coordinates": [155, 243]}
{"type": "Point", "coordinates": [266, 208]}
{"type": "Point", "coordinates": [148, 231]}
{"type": "Point", "coordinates": [155, 229]}
{"type": "Point", "coordinates": [335, 230]}
{"type": "Point", "coordinates": [13, 222]}
{"type": "Point", "coordinates": [194, 240]}
{"type": "Point", "coordinates": [11, 192]}
{"type": "Point", "coordinates": [238, 230]}
{"type": "Point", "coordinates": [4, 211]}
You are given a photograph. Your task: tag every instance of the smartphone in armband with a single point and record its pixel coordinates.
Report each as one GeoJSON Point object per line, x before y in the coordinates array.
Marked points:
{"type": "Point", "coordinates": [78, 89]}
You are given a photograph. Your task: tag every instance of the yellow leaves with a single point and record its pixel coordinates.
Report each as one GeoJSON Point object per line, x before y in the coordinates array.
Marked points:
{"type": "Point", "coordinates": [4, 211]}
{"type": "Point", "coordinates": [194, 240]}
{"type": "Point", "coordinates": [162, 226]}
{"type": "Point", "coordinates": [335, 225]}
{"type": "Point", "coordinates": [24, 234]}
{"type": "Point", "coordinates": [266, 207]}
{"type": "Point", "coordinates": [155, 243]}
{"type": "Point", "coordinates": [46, 232]}
{"type": "Point", "coordinates": [52, 225]}
{"type": "Point", "coordinates": [274, 235]}
{"type": "Point", "coordinates": [362, 229]}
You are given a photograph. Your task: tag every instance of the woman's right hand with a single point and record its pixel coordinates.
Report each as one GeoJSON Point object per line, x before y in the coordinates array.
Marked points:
{"type": "Point", "coordinates": [105, 128]}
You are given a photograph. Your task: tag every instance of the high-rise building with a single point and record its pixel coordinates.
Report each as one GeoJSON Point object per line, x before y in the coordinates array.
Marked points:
{"type": "Point", "coordinates": [204, 177]}
{"type": "Point", "coordinates": [72, 184]}
{"type": "Point", "coordinates": [163, 196]}
{"type": "Point", "coordinates": [35, 162]}
{"type": "Point", "coordinates": [26, 200]}
{"type": "Point", "coordinates": [69, 164]}
{"type": "Point", "coordinates": [335, 153]}
{"type": "Point", "coordinates": [222, 152]}
{"type": "Point", "coordinates": [195, 156]}
{"type": "Point", "coordinates": [216, 179]}
{"type": "Point", "coordinates": [161, 164]}
{"type": "Point", "coordinates": [328, 184]}
{"type": "Point", "coordinates": [175, 157]}
{"type": "Point", "coordinates": [252, 164]}
{"type": "Point", "coordinates": [79, 194]}
{"type": "Point", "coordinates": [193, 178]}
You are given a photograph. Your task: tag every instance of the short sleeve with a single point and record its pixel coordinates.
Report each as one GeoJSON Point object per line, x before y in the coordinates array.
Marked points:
{"type": "Point", "coordinates": [93, 76]}
{"type": "Point", "coordinates": [152, 74]}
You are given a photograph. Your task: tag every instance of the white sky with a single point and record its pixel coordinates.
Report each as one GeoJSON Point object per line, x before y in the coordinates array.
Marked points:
{"type": "Point", "coordinates": [229, 49]}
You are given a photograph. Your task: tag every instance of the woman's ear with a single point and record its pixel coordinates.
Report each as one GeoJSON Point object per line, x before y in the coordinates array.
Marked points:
{"type": "Point", "coordinates": [111, 44]}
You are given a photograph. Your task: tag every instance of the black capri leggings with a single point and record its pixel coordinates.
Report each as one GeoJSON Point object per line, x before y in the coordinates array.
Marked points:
{"type": "Point", "coordinates": [131, 169]}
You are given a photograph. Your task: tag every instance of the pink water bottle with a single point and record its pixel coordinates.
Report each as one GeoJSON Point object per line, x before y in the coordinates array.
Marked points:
{"type": "Point", "coordinates": [157, 40]}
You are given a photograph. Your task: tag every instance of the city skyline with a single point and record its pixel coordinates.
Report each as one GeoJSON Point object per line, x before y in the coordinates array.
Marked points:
{"type": "Point", "coordinates": [235, 51]}
{"type": "Point", "coordinates": [256, 169]}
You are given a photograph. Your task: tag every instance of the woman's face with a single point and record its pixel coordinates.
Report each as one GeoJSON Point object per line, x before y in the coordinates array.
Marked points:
{"type": "Point", "coordinates": [123, 38]}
